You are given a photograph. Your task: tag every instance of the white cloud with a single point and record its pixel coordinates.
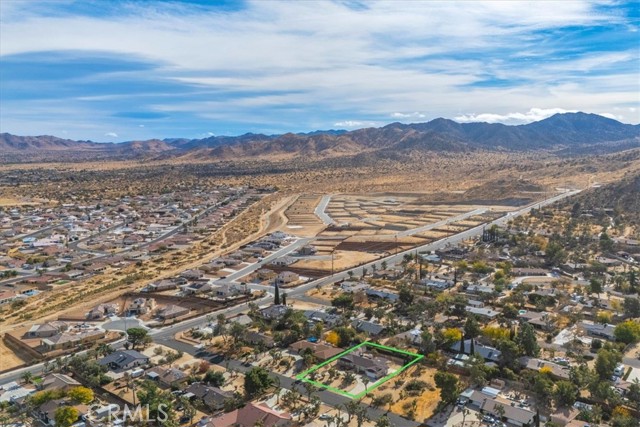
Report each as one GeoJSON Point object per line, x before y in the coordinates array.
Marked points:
{"type": "Point", "coordinates": [398, 60]}
{"type": "Point", "coordinates": [533, 115]}
{"type": "Point", "coordinates": [111, 134]}
{"type": "Point", "coordinates": [415, 115]}
{"type": "Point", "coordinates": [354, 124]}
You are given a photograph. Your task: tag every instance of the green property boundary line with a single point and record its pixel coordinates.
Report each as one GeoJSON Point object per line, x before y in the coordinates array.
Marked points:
{"type": "Point", "coordinates": [302, 376]}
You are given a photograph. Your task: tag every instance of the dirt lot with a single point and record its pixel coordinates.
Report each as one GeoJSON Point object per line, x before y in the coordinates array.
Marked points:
{"type": "Point", "coordinates": [402, 402]}
{"type": "Point", "coordinates": [301, 219]}
{"type": "Point", "coordinates": [8, 359]}
{"type": "Point", "coordinates": [341, 260]}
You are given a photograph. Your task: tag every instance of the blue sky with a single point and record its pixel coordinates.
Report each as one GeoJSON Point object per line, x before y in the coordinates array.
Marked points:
{"type": "Point", "coordinates": [125, 70]}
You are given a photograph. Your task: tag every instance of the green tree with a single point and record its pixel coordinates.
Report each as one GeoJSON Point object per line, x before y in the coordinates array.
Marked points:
{"type": "Point", "coordinates": [65, 416]}
{"type": "Point", "coordinates": [159, 401]}
{"type": "Point", "coordinates": [631, 307]}
{"type": "Point", "coordinates": [256, 382]}
{"type": "Point", "coordinates": [343, 301]}
{"type": "Point", "coordinates": [81, 394]}
{"type": "Point", "coordinates": [214, 378]}
{"type": "Point", "coordinates": [528, 341]}
{"type": "Point", "coordinates": [555, 253]}
{"type": "Point", "coordinates": [276, 294]}
{"type": "Point", "coordinates": [606, 244]}
{"type": "Point", "coordinates": [627, 332]}
{"type": "Point", "coordinates": [405, 295]}
{"type": "Point", "coordinates": [471, 327]}
{"type": "Point", "coordinates": [383, 421]}
{"type": "Point", "coordinates": [448, 385]}
{"type": "Point", "coordinates": [509, 353]}
{"type": "Point", "coordinates": [427, 345]}
{"type": "Point", "coordinates": [138, 336]}
{"type": "Point", "coordinates": [595, 286]}
{"type": "Point", "coordinates": [565, 393]}
{"type": "Point", "coordinates": [27, 377]}
{"type": "Point", "coordinates": [606, 363]}
{"type": "Point", "coordinates": [581, 376]}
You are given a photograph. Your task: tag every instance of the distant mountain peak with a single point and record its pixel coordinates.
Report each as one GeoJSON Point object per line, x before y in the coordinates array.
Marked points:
{"type": "Point", "coordinates": [571, 132]}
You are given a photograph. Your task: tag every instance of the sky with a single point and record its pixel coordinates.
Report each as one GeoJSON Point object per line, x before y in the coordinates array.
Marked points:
{"type": "Point", "coordinates": [112, 70]}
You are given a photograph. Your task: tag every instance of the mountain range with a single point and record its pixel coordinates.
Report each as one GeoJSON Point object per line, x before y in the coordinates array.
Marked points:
{"type": "Point", "coordinates": [568, 133]}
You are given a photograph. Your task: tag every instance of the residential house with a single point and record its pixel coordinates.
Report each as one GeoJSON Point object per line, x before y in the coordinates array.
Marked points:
{"type": "Point", "coordinates": [195, 288]}
{"type": "Point", "coordinates": [250, 415]}
{"type": "Point", "coordinates": [321, 351]}
{"type": "Point", "coordinates": [539, 320]}
{"type": "Point", "coordinates": [307, 250]}
{"type": "Point", "coordinates": [266, 274]}
{"type": "Point", "coordinates": [258, 338]}
{"type": "Point", "coordinates": [48, 329]}
{"type": "Point", "coordinates": [171, 311]}
{"type": "Point", "coordinates": [485, 313]}
{"type": "Point", "coordinates": [274, 312]}
{"type": "Point", "coordinates": [13, 392]}
{"type": "Point", "coordinates": [353, 287]}
{"type": "Point", "coordinates": [254, 251]}
{"type": "Point", "coordinates": [72, 338]}
{"type": "Point", "coordinates": [598, 330]}
{"type": "Point", "coordinates": [192, 274]}
{"type": "Point", "coordinates": [230, 290]}
{"type": "Point", "coordinates": [286, 277]}
{"type": "Point", "coordinates": [124, 360]}
{"type": "Point", "coordinates": [55, 381]}
{"type": "Point", "coordinates": [283, 261]}
{"type": "Point", "coordinates": [388, 274]}
{"type": "Point", "coordinates": [488, 401]}
{"type": "Point", "coordinates": [489, 354]}
{"type": "Point", "coordinates": [46, 413]}
{"type": "Point", "coordinates": [373, 367]}
{"type": "Point", "coordinates": [556, 370]}
{"type": "Point", "coordinates": [371, 328]}
{"type": "Point", "coordinates": [101, 311]}
{"type": "Point", "coordinates": [529, 272]}
{"type": "Point", "coordinates": [212, 397]}
{"type": "Point", "coordinates": [381, 294]}
{"type": "Point", "coordinates": [7, 296]}
{"type": "Point", "coordinates": [141, 306]}
{"type": "Point", "coordinates": [167, 377]}
{"type": "Point", "coordinates": [315, 316]}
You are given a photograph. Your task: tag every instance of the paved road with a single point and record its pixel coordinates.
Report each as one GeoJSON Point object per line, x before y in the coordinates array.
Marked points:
{"type": "Point", "coordinates": [165, 335]}
{"type": "Point", "coordinates": [320, 210]}
{"type": "Point", "coordinates": [441, 223]}
{"type": "Point", "coordinates": [277, 254]}
{"type": "Point", "coordinates": [331, 399]}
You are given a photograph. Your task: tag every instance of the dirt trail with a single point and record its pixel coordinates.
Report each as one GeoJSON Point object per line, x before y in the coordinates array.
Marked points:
{"type": "Point", "coordinates": [269, 221]}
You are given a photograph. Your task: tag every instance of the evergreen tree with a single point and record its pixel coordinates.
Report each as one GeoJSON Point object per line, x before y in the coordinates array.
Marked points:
{"type": "Point", "coordinates": [527, 340]}
{"type": "Point", "coordinates": [276, 298]}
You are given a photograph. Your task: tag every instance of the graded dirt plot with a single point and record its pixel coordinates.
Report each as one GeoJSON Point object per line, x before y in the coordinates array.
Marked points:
{"type": "Point", "coordinates": [301, 217]}
{"type": "Point", "coordinates": [8, 359]}
{"type": "Point", "coordinates": [403, 398]}
{"type": "Point", "coordinates": [342, 260]}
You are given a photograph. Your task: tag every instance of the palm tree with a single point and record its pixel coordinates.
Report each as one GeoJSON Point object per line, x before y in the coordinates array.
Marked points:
{"type": "Point", "coordinates": [27, 376]}
{"type": "Point", "coordinates": [104, 349]}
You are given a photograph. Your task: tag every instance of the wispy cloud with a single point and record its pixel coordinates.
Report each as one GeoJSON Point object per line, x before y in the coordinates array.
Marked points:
{"type": "Point", "coordinates": [184, 69]}
{"type": "Point", "coordinates": [533, 115]}
{"type": "Point", "coordinates": [351, 124]}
